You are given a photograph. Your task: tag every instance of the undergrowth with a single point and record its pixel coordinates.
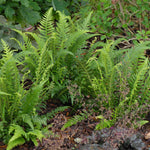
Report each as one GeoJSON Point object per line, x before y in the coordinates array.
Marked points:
{"type": "Point", "coordinates": [62, 64]}
{"type": "Point", "coordinates": [119, 81]}
{"type": "Point", "coordinates": [47, 64]}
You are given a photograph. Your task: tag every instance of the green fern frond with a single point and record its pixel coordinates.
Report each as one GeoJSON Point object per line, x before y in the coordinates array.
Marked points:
{"type": "Point", "coordinates": [10, 82]}
{"type": "Point", "coordinates": [44, 64]}
{"type": "Point", "coordinates": [47, 24]}
{"type": "Point", "coordinates": [18, 132]}
{"type": "Point", "coordinates": [37, 133]}
{"type": "Point", "coordinates": [26, 45]}
{"type": "Point", "coordinates": [20, 136]}
{"type": "Point", "coordinates": [85, 24]}
{"type": "Point", "coordinates": [27, 119]}
{"type": "Point", "coordinates": [31, 99]}
{"type": "Point", "coordinates": [38, 42]}
{"type": "Point", "coordinates": [139, 79]}
{"type": "Point", "coordinates": [55, 111]}
{"type": "Point", "coordinates": [8, 54]}
{"type": "Point", "coordinates": [135, 53]}
{"type": "Point", "coordinates": [63, 28]}
{"type": "Point", "coordinates": [75, 120]}
{"type": "Point", "coordinates": [14, 143]}
{"type": "Point", "coordinates": [39, 121]}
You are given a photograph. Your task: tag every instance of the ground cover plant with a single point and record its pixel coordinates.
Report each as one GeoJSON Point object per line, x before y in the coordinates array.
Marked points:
{"type": "Point", "coordinates": [113, 18]}
{"type": "Point", "coordinates": [64, 61]}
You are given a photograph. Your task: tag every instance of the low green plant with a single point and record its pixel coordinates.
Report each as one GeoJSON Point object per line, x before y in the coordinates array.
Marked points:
{"type": "Point", "coordinates": [143, 35]}
{"type": "Point", "coordinates": [51, 58]}
{"type": "Point", "coordinates": [45, 62]}
{"type": "Point", "coordinates": [77, 118]}
{"type": "Point", "coordinates": [123, 81]}
{"type": "Point", "coordinates": [116, 17]}
{"type": "Point", "coordinates": [17, 105]}
{"type": "Point", "coordinates": [118, 82]}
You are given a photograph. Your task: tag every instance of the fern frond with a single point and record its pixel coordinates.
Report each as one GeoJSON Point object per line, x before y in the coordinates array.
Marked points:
{"type": "Point", "coordinates": [44, 63]}
{"type": "Point", "coordinates": [27, 44]}
{"type": "Point", "coordinates": [38, 43]}
{"type": "Point", "coordinates": [55, 111]}
{"type": "Point", "coordinates": [31, 99]}
{"type": "Point", "coordinates": [39, 121]}
{"type": "Point", "coordinates": [27, 119]}
{"type": "Point", "coordinates": [16, 142]}
{"type": "Point", "coordinates": [37, 133]}
{"type": "Point", "coordinates": [7, 51]}
{"type": "Point", "coordinates": [85, 24]}
{"type": "Point", "coordinates": [47, 24]}
{"type": "Point", "coordinates": [135, 53]}
{"type": "Point", "coordinates": [17, 138]}
{"type": "Point", "coordinates": [10, 83]}
{"type": "Point", "coordinates": [63, 29]}
{"type": "Point", "coordinates": [75, 120]}
{"type": "Point", "coordinates": [139, 79]}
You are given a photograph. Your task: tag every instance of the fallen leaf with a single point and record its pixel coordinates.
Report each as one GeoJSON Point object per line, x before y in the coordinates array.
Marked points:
{"type": "Point", "coordinates": [147, 136]}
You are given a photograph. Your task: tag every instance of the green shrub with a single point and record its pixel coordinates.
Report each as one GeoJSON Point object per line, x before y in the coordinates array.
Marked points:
{"type": "Point", "coordinates": [30, 11]}
{"type": "Point", "coordinates": [19, 11]}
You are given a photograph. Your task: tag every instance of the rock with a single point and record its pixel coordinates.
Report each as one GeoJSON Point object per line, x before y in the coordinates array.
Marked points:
{"type": "Point", "coordinates": [133, 143]}
{"type": "Point", "coordinates": [91, 147]}
{"type": "Point", "coordinates": [78, 140]}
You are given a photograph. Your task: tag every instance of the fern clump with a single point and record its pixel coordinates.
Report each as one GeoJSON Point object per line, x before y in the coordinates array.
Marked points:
{"type": "Point", "coordinates": [117, 82]}
{"type": "Point", "coordinates": [45, 61]}
{"type": "Point", "coordinates": [53, 55]}
{"type": "Point", "coordinates": [75, 120]}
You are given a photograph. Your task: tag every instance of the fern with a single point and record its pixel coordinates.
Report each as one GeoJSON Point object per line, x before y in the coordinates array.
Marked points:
{"type": "Point", "coordinates": [47, 24]}
{"type": "Point", "coordinates": [75, 120]}
{"type": "Point", "coordinates": [17, 104]}
{"type": "Point", "coordinates": [55, 111]}
{"type": "Point", "coordinates": [107, 73]}
{"type": "Point", "coordinates": [138, 80]}
{"type": "Point", "coordinates": [17, 142]}
{"type": "Point", "coordinates": [10, 84]}
{"type": "Point", "coordinates": [17, 138]}
{"type": "Point", "coordinates": [20, 136]}
{"type": "Point", "coordinates": [45, 59]}
{"type": "Point", "coordinates": [31, 99]}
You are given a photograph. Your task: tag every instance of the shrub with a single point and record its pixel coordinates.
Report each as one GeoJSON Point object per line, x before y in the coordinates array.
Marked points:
{"type": "Point", "coordinates": [30, 11]}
